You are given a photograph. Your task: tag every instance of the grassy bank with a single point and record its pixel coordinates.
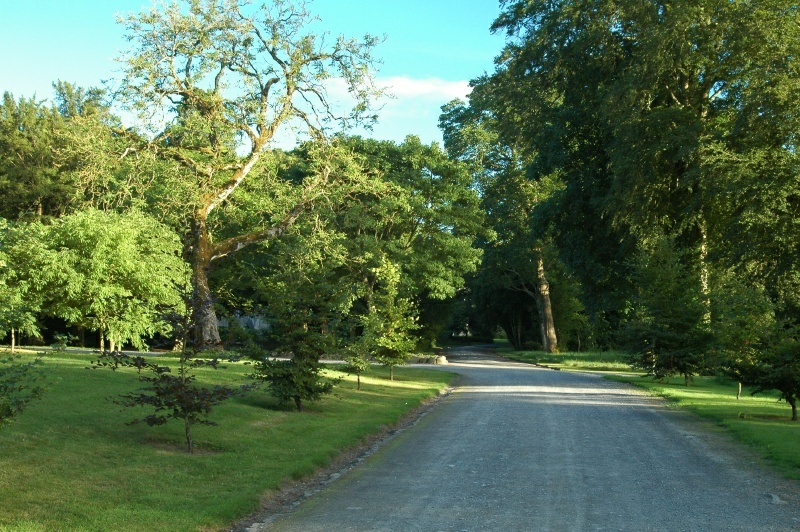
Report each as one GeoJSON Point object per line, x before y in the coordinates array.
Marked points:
{"type": "Point", "coordinates": [70, 462]}
{"type": "Point", "coordinates": [761, 421]}
{"type": "Point", "coordinates": [576, 361]}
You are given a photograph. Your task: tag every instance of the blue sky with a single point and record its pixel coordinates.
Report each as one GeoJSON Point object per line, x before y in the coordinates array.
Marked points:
{"type": "Point", "coordinates": [432, 48]}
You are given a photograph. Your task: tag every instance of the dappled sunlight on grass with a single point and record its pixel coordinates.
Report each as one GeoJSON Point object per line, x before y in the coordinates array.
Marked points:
{"type": "Point", "coordinates": [611, 361]}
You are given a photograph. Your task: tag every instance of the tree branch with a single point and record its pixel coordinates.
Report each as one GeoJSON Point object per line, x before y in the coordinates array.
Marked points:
{"type": "Point", "coordinates": [233, 244]}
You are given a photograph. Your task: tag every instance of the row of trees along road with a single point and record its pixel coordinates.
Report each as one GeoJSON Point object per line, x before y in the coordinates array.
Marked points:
{"type": "Point", "coordinates": [628, 172]}
{"type": "Point", "coordinates": [647, 153]}
{"type": "Point", "coordinates": [346, 244]}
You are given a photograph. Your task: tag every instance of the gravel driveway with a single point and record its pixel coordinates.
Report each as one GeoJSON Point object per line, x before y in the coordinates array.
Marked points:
{"type": "Point", "coordinates": [516, 447]}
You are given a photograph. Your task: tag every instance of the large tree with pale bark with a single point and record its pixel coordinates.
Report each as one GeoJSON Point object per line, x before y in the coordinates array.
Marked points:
{"type": "Point", "coordinates": [214, 81]}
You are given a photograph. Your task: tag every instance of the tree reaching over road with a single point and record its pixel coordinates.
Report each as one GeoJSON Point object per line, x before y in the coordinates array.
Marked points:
{"type": "Point", "coordinates": [522, 259]}
{"type": "Point", "coordinates": [661, 120]}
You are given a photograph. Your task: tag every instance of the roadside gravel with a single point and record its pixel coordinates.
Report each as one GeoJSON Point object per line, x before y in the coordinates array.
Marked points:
{"type": "Point", "coordinates": [516, 447]}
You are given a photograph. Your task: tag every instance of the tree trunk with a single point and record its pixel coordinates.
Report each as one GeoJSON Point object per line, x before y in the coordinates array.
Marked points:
{"type": "Point", "coordinates": [187, 427]}
{"type": "Point", "coordinates": [792, 401]}
{"type": "Point", "coordinates": [102, 340]}
{"type": "Point", "coordinates": [739, 391]}
{"type": "Point", "coordinates": [391, 372]}
{"type": "Point", "coordinates": [547, 326]}
{"type": "Point", "coordinates": [12, 340]}
{"type": "Point", "coordinates": [204, 317]}
{"type": "Point", "coordinates": [704, 275]}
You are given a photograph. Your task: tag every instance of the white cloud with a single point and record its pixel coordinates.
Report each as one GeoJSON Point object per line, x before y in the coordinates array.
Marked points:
{"type": "Point", "coordinates": [412, 109]}
{"type": "Point", "coordinates": [431, 88]}
{"type": "Point", "coordinates": [415, 107]}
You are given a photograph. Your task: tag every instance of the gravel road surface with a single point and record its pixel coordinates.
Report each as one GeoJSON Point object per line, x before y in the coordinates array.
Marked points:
{"type": "Point", "coordinates": [516, 447]}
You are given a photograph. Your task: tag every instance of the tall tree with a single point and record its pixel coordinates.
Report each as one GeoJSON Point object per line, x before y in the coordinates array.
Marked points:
{"type": "Point", "coordinates": [646, 110]}
{"type": "Point", "coordinates": [29, 170]}
{"type": "Point", "coordinates": [665, 332]}
{"type": "Point", "coordinates": [518, 259]}
{"type": "Point", "coordinates": [26, 266]}
{"type": "Point", "coordinates": [36, 171]}
{"type": "Point", "coordinates": [215, 80]}
{"type": "Point", "coordinates": [403, 204]}
{"type": "Point", "coordinates": [421, 213]}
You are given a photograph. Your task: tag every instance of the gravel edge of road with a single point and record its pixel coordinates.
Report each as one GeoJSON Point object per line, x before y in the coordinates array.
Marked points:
{"type": "Point", "coordinates": [292, 493]}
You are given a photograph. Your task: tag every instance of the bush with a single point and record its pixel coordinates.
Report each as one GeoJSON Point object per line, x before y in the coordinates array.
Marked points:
{"type": "Point", "coordinates": [295, 380]}
{"type": "Point", "coordinates": [171, 396]}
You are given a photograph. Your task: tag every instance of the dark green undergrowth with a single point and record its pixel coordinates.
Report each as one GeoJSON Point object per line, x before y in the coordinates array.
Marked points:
{"type": "Point", "coordinates": [570, 360]}
{"type": "Point", "coordinates": [71, 463]}
{"type": "Point", "coordinates": [762, 421]}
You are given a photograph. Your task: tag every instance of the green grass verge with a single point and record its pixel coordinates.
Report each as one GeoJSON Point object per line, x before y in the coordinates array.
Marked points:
{"type": "Point", "coordinates": [761, 421]}
{"type": "Point", "coordinates": [70, 463]}
{"type": "Point", "coordinates": [612, 361]}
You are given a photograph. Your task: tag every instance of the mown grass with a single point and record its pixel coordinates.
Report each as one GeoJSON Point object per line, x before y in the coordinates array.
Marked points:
{"type": "Point", "coordinates": [69, 462]}
{"type": "Point", "coordinates": [762, 421]}
{"type": "Point", "coordinates": [613, 361]}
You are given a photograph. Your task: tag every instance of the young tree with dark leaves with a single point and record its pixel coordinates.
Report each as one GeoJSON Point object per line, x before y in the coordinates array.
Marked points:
{"type": "Point", "coordinates": [171, 395]}
{"type": "Point", "coordinates": [20, 383]}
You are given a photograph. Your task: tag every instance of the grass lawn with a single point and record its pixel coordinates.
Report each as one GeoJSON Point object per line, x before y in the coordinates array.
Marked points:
{"type": "Point", "coordinates": [576, 361]}
{"type": "Point", "coordinates": [69, 462]}
{"type": "Point", "coordinates": [761, 421]}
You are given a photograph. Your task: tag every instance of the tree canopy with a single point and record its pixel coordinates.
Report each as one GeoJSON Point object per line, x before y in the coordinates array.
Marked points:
{"type": "Point", "coordinates": [213, 81]}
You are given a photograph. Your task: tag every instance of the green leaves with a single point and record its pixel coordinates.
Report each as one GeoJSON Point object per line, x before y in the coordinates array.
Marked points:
{"type": "Point", "coordinates": [298, 379]}
{"type": "Point", "coordinates": [665, 331]}
{"type": "Point", "coordinates": [26, 268]}
{"type": "Point", "coordinates": [20, 383]}
{"type": "Point", "coordinates": [170, 396]}
{"type": "Point", "coordinates": [117, 273]}
{"type": "Point", "coordinates": [30, 181]}
{"type": "Point", "coordinates": [659, 119]}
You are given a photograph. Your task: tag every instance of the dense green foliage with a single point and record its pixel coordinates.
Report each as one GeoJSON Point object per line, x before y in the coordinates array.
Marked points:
{"type": "Point", "coordinates": [627, 179]}
{"type": "Point", "coordinates": [120, 274]}
{"type": "Point", "coordinates": [342, 246]}
{"type": "Point", "coordinates": [24, 272]}
{"type": "Point", "coordinates": [358, 279]}
{"type": "Point", "coordinates": [236, 73]}
{"type": "Point", "coordinates": [652, 148]}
